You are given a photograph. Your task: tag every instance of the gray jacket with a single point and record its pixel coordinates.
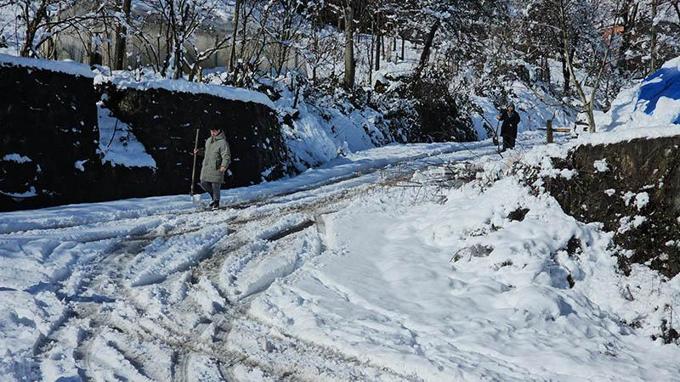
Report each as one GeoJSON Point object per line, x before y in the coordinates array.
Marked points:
{"type": "Point", "coordinates": [216, 155]}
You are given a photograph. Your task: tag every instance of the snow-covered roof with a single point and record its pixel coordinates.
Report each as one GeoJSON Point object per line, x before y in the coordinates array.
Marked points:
{"type": "Point", "coordinates": [67, 67]}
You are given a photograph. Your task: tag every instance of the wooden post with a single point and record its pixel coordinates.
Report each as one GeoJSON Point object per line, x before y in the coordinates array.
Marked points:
{"type": "Point", "coordinates": [550, 131]}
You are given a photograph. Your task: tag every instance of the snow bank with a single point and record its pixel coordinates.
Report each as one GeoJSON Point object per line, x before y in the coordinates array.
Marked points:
{"type": "Point", "coordinates": [67, 67]}
{"type": "Point", "coordinates": [127, 80]}
{"type": "Point", "coordinates": [399, 287]}
{"type": "Point", "coordinates": [325, 128]}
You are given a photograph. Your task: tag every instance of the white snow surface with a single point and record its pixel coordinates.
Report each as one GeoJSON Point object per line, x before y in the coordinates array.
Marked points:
{"type": "Point", "coordinates": [127, 80]}
{"type": "Point", "coordinates": [118, 143]}
{"type": "Point", "coordinates": [322, 132]}
{"type": "Point", "coordinates": [601, 165]}
{"type": "Point", "coordinates": [359, 270]}
{"type": "Point", "coordinates": [387, 293]}
{"type": "Point", "coordinates": [641, 200]}
{"type": "Point", "coordinates": [68, 67]}
{"type": "Point", "coordinates": [18, 158]}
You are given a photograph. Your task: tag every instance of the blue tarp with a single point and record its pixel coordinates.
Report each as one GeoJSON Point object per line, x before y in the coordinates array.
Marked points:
{"type": "Point", "coordinates": [663, 83]}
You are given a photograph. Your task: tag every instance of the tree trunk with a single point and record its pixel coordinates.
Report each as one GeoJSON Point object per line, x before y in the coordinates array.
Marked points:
{"type": "Point", "coordinates": [565, 74]}
{"type": "Point", "coordinates": [371, 52]}
{"type": "Point", "coordinates": [95, 57]}
{"type": "Point", "coordinates": [394, 55]}
{"type": "Point", "coordinates": [653, 38]}
{"type": "Point", "coordinates": [244, 35]}
{"type": "Point", "coordinates": [567, 46]}
{"type": "Point", "coordinates": [177, 64]}
{"type": "Point", "coordinates": [32, 28]}
{"type": "Point", "coordinates": [52, 49]}
{"type": "Point", "coordinates": [232, 54]}
{"type": "Point", "coordinates": [591, 117]}
{"type": "Point", "coordinates": [121, 36]}
{"type": "Point", "coordinates": [403, 48]}
{"type": "Point", "coordinates": [350, 68]}
{"type": "Point", "coordinates": [628, 19]}
{"type": "Point", "coordinates": [545, 70]}
{"type": "Point", "coordinates": [425, 55]}
{"type": "Point", "coordinates": [378, 42]}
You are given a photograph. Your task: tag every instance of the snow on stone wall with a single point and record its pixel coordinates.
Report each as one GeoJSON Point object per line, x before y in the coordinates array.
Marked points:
{"type": "Point", "coordinates": [66, 67]}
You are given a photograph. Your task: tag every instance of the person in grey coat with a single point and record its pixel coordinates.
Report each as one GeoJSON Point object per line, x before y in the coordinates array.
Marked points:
{"type": "Point", "coordinates": [216, 160]}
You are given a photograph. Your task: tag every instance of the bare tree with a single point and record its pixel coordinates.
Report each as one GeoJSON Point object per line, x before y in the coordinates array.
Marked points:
{"type": "Point", "coordinates": [235, 21]}
{"type": "Point", "coordinates": [179, 22]}
{"type": "Point", "coordinates": [653, 38]}
{"type": "Point", "coordinates": [121, 34]}
{"type": "Point", "coordinates": [286, 28]}
{"type": "Point", "coordinates": [568, 11]}
{"type": "Point", "coordinates": [427, 48]}
{"type": "Point", "coordinates": [42, 20]}
{"type": "Point", "coordinates": [350, 64]}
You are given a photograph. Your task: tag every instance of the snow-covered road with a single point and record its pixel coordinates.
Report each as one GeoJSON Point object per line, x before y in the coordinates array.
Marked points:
{"type": "Point", "coordinates": [342, 273]}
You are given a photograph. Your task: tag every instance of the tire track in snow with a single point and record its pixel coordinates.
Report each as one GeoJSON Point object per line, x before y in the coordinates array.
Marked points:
{"type": "Point", "coordinates": [111, 271]}
{"type": "Point", "coordinates": [265, 216]}
{"type": "Point", "coordinates": [60, 222]}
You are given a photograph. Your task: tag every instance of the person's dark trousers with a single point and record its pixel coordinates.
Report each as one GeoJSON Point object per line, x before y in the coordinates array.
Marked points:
{"type": "Point", "coordinates": [213, 189]}
{"type": "Point", "coordinates": [508, 142]}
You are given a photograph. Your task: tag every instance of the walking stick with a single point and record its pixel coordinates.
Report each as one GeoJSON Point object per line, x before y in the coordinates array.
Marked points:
{"type": "Point", "coordinates": [494, 139]}
{"type": "Point", "coordinates": [193, 171]}
{"type": "Point", "coordinates": [498, 141]}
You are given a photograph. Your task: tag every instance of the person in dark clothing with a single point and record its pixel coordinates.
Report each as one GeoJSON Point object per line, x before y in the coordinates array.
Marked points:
{"type": "Point", "coordinates": [510, 120]}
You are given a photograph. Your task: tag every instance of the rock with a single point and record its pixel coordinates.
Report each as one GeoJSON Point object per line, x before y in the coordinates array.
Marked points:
{"type": "Point", "coordinates": [638, 198]}
{"type": "Point", "coordinates": [380, 86]}
{"type": "Point", "coordinates": [165, 123]}
{"type": "Point", "coordinates": [49, 141]}
{"type": "Point", "coordinates": [439, 113]}
{"type": "Point", "coordinates": [476, 250]}
{"type": "Point", "coordinates": [519, 214]}
{"type": "Point", "coordinates": [425, 111]}
{"type": "Point", "coordinates": [50, 118]}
